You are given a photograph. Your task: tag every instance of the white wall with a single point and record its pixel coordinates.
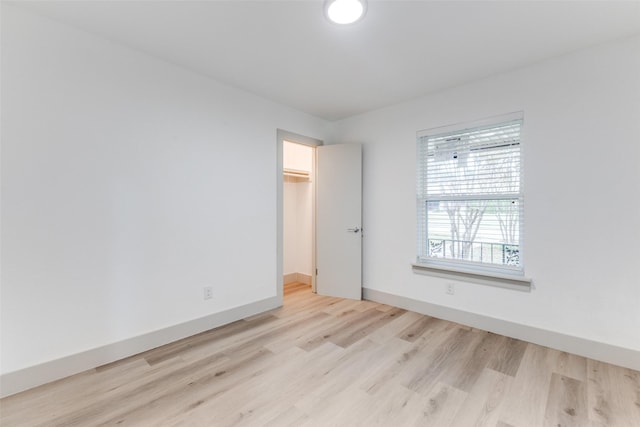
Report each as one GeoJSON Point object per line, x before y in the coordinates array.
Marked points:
{"type": "Point", "coordinates": [128, 184]}
{"type": "Point", "coordinates": [304, 243]}
{"type": "Point", "coordinates": [582, 193]}
{"type": "Point", "coordinates": [289, 226]}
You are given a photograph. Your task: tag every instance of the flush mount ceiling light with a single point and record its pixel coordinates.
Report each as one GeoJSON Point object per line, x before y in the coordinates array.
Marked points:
{"type": "Point", "coordinates": [345, 11]}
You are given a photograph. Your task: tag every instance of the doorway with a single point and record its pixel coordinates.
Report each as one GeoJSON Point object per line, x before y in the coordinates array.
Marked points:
{"type": "Point", "coordinates": [296, 210]}
{"type": "Point", "coordinates": [298, 198]}
{"type": "Point", "coordinates": [336, 221]}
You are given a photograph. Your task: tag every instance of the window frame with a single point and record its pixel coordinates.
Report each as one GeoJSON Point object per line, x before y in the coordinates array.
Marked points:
{"type": "Point", "coordinates": [465, 268]}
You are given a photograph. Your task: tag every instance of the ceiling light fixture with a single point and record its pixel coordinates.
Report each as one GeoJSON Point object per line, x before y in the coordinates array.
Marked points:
{"type": "Point", "coordinates": [345, 11]}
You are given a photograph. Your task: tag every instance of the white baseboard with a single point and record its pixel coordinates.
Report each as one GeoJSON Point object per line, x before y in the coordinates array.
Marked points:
{"type": "Point", "coordinates": [17, 381]}
{"type": "Point", "coordinates": [620, 356]}
{"type": "Point", "coordinates": [304, 278]}
{"type": "Point", "coordinates": [297, 277]}
{"type": "Point", "coordinates": [290, 278]}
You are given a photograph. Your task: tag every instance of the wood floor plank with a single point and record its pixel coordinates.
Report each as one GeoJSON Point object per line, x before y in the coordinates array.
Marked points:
{"type": "Point", "coordinates": [440, 406]}
{"type": "Point", "coordinates": [567, 403]}
{"type": "Point", "coordinates": [470, 365]}
{"type": "Point", "coordinates": [251, 402]}
{"type": "Point", "coordinates": [483, 405]}
{"type": "Point", "coordinates": [411, 363]}
{"type": "Point", "coordinates": [296, 287]}
{"type": "Point", "coordinates": [406, 365]}
{"type": "Point", "coordinates": [352, 363]}
{"type": "Point", "coordinates": [393, 328]}
{"type": "Point", "coordinates": [150, 397]}
{"type": "Point", "coordinates": [397, 405]}
{"type": "Point", "coordinates": [300, 308]}
{"type": "Point", "coordinates": [436, 364]}
{"type": "Point", "coordinates": [413, 331]}
{"type": "Point", "coordinates": [347, 337]}
{"type": "Point", "coordinates": [353, 320]}
{"type": "Point", "coordinates": [331, 410]}
{"type": "Point", "coordinates": [323, 361]}
{"type": "Point", "coordinates": [291, 417]}
{"type": "Point", "coordinates": [290, 381]}
{"type": "Point", "coordinates": [365, 305]}
{"type": "Point", "coordinates": [305, 331]}
{"type": "Point", "coordinates": [507, 357]}
{"type": "Point", "coordinates": [376, 364]}
{"type": "Point", "coordinates": [568, 365]}
{"type": "Point", "coordinates": [340, 305]}
{"type": "Point", "coordinates": [175, 349]}
{"type": "Point", "coordinates": [530, 389]}
{"type": "Point", "coordinates": [613, 395]}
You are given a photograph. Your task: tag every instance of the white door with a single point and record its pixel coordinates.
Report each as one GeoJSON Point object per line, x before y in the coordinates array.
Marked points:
{"type": "Point", "coordinates": [339, 220]}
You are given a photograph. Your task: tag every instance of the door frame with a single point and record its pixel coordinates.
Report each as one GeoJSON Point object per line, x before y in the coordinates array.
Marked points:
{"type": "Point", "coordinates": [283, 135]}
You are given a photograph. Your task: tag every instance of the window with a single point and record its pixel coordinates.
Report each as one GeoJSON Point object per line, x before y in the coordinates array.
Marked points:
{"type": "Point", "coordinates": [469, 196]}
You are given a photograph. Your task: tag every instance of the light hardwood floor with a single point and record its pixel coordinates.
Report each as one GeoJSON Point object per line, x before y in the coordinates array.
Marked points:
{"type": "Point", "coordinates": [321, 361]}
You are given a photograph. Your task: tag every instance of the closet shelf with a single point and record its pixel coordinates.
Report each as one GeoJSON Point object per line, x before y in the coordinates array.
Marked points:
{"type": "Point", "coordinates": [298, 174]}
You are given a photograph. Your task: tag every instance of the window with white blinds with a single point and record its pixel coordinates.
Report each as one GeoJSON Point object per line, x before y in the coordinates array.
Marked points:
{"type": "Point", "coordinates": [469, 196]}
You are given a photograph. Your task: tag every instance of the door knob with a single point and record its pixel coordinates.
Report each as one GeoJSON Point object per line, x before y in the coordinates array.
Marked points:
{"type": "Point", "coordinates": [353, 230]}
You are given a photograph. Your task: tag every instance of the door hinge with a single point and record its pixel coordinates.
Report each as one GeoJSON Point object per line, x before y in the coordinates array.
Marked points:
{"type": "Point", "coordinates": [316, 271]}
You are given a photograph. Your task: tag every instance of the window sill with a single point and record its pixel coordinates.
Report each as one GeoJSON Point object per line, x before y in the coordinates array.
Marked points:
{"type": "Point", "coordinates": [519, 283]}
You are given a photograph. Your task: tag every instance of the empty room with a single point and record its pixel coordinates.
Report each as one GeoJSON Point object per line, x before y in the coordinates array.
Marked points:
{"type": "Point", "coordinates": [320, 213]}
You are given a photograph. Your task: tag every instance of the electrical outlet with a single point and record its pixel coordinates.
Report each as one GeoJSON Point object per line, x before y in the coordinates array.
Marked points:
{"type": "Point", "coordinates": [207, 292]}
{"type": "Point", "coordinates": [450, 288]}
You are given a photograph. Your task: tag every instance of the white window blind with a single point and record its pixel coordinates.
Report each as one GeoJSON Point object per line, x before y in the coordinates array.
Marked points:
{"type": "Point", "coordinates": [469, 196]}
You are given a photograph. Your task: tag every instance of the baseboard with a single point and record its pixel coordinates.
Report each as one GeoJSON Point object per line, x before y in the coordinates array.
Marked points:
{"type": "Point", "coordinates": [17, 381]}
{"type": "Point", "coordinates": [583, 347]}
{"type": "Point", "coordinates": [304, 278]}
{"type": "Point", "coordinates": [297, 277]}
{"type": "Point", "coordinates": [290, 278]}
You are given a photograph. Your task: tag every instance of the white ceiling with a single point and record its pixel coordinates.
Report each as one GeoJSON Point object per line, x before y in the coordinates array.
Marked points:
{"type": "Point", "coordinates": [286, 50]}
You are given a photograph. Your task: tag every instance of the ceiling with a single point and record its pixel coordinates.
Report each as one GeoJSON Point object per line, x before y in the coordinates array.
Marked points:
{"type": "Point", "coordinates": [286, 51]}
